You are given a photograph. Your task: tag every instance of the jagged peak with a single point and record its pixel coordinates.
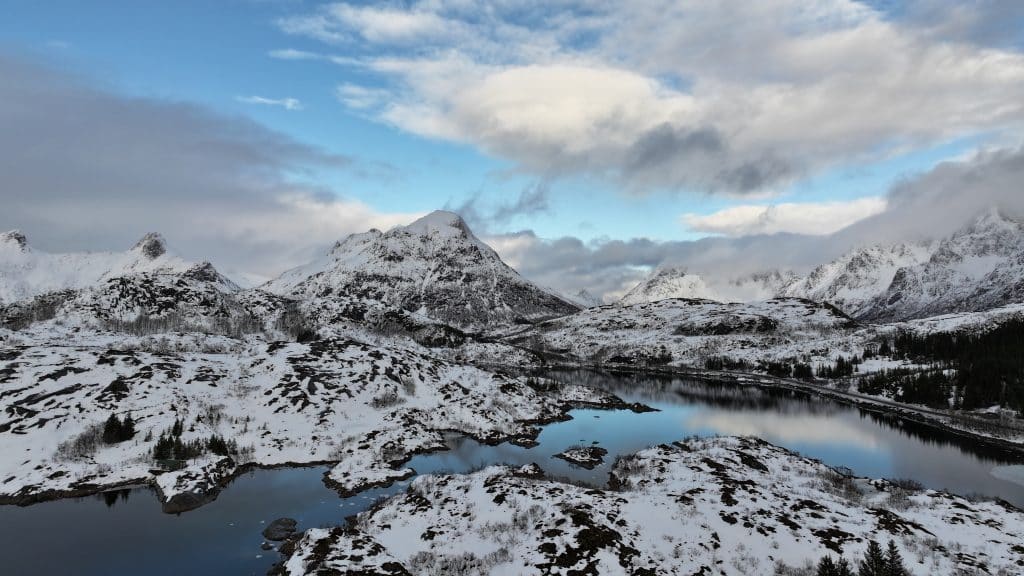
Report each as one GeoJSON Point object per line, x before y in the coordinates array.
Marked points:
{"type": "Point", "coordinates": [14, 238]}
{"type": "Point", "coordinates": [152, 246]}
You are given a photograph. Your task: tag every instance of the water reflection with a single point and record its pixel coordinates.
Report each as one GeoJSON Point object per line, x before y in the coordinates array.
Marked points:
{"type": "Point", "coordinates": [112, 497]}
{"type": "Point", "coordinates": [785, 428]}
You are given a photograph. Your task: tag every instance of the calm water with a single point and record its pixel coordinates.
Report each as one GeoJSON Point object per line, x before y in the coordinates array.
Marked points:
{"type": "Point", "coordinates": [125, 532]}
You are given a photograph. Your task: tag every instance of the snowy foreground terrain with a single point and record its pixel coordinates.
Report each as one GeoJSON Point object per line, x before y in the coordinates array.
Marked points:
{"type": "Point", "coordinates": [142, 368]}
{"type": "Point", "coordinates": [722, 505]}
{"type": "Point", "coordinates": [332, 400]}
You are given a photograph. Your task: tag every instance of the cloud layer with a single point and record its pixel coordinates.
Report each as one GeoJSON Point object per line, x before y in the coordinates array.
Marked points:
{"type": "Point", "coordinates": [84, 169]}
{"type": "Point", "coordinates": [932, 205]}
{"type": "Point", "coordinates": [725, 97]}
{"type": "Point", "coordinates": [813, 218]}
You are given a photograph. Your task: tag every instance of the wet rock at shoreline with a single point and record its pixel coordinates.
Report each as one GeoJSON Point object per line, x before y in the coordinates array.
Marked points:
{"type": "Point", "coordinates": [280, 529]}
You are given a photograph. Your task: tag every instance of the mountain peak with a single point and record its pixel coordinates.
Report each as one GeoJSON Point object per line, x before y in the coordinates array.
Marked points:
{"type": "Point", "coordinates": [14, 238]}
{"type": "Point", "coordinates": [152, 246]}
{"type": "Point", "coordinates": [439, 221]}
{"type": "Point", "coordinates": [992, 218]}
{"type": "Point", "coordinates": [436, 267]}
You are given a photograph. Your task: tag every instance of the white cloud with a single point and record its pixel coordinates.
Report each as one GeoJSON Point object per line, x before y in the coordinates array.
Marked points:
{"type": "Point", "coordinates": [286, 103]}
{"type": "Point", "coordinates": [293, 54]}
{"type": "Point", "coordinates": [360, 97]}
{"type": "Point", "coordinates": [336, 23]}
{"type": "Point", "coordinates": [813, 218]}
{"type": "Point", "coordinates": [729, 96]}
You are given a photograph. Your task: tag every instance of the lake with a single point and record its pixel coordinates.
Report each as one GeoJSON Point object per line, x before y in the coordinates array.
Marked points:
{"type": "Point", "coordinates": [124, 532]}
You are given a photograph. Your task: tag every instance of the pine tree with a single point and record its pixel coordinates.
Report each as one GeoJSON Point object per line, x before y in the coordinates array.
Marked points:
{"type": "Point", "coordinates": [112, 430]}
{"type": "Point", "coordinates": [127, 428]}
{"type": "Point", "coordinates": [894, 562]}
{"type": "Point", "coordinates": [826, 567]}
{"type": "Point", "coordinates": [829, 567]}
{"type": "Point", "coordinates": [874, 562]}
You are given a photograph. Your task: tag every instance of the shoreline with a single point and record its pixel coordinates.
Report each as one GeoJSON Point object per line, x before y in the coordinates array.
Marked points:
{"type": "Point", "coordinates": [919, 415]}
{"type": "Point", "coordinates": [912, 413]}
{"type": "Point", "coordinates": [168, 505]}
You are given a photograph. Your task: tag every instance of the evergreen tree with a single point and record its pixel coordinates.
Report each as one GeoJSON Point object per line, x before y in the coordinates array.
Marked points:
{"type": "Point", "coordinates": [829, 567]}
{"type": "Point", "coordinates": [826, 567]}
{"type": "Point", "coordinates": [127, 428]}
{"type": "Point", "coordinates": [112, 430]}
{"type": "Point", "coordinates": [894, 562]}
{"type": "Point", "coordinates": [874, 562]}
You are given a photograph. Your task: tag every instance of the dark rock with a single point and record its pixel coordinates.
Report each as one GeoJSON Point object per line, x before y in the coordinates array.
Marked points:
{"type": "Point", "coordinates": [280, 529]}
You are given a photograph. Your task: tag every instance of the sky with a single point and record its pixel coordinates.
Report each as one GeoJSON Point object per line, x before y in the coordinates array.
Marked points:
{"type": "Point", "coordinates": [588, 142]}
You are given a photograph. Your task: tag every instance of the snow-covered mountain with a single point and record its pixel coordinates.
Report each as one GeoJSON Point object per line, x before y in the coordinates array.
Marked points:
{"type": "Point", "coordinates": [979, 267]}
{"type": "Point", "coordinates": [668, 282]}
{"type": "Point", "coordinates": [677, 282]}
{"type": "Point", "coordinates": [434, 266]}
{"type": "Point", "coordinates": [26, 272]}
{"type": "Point", "coordinates": [585, 299]}
{"type": "Point", "coordinates": [147, 281]}
{"type": "Point", "coordinates": [853, 280]}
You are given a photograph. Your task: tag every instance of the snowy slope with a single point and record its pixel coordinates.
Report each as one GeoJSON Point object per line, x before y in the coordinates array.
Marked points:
{"type": "Point", "coordinates": [676, 282]}
{"type": "Point", "coordinates": [712, 506]}
{"type": "Point", "coordinates": [26, 272]}
{"type": "Point", "coordinates": [434, 266]}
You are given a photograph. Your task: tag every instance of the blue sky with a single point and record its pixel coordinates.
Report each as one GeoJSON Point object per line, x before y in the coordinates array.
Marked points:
{"type": "Point", "coordinates": [667, 121]}
{"type": "Point", "coordinates": [216, 52]}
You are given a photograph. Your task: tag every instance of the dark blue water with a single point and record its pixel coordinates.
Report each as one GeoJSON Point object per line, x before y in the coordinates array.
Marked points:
{"type": "Point", "coordinates": [126, 533]}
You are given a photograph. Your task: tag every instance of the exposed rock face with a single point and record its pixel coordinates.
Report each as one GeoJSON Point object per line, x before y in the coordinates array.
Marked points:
{"type": "Point", "coordinates": [151, 246]}
{"type": "Point", "coordinates": [434, 266]}
{"type": "Point", "coordinates": [14, 238]}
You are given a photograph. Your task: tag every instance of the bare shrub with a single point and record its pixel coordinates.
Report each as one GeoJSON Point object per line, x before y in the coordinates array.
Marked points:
{"type": "Point", "coordinates": [82, 446]}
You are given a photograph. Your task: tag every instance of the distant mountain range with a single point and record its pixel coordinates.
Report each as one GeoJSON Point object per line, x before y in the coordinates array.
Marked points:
{"type": "Point", "coordinates": [436, 270]}
{"type": "Point", "coordinates": [979, 267]}
{"type": "Point", "coordinates": [433, 268]}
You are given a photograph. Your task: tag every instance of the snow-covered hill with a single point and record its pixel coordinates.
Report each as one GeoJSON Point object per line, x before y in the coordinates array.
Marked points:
{"type": "Point", "coordinates": [689, 331]}
{"type": "Point", "coordinates": [26, 272]}
{"type": "Point", "coordinates": [434, 266]}
{"type": "Point", "coordinates": [700, 506]}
